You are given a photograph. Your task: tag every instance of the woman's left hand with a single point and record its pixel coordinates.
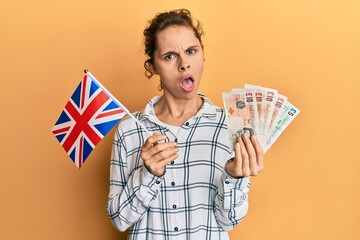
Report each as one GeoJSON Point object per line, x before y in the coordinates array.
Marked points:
{"type": "Point", "coordinates": [249, 158]}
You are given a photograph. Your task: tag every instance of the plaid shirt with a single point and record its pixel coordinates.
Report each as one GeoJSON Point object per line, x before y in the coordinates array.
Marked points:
{"type": "Point", "coordinates": [195, 199]}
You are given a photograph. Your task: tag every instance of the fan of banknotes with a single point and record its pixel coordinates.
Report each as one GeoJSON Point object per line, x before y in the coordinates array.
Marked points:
{"type": "Point", "coordinates": [257, 110]}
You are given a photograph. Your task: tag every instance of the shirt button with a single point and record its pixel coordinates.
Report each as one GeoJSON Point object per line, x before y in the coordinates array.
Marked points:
{"type": "Point", "coordinates": [172, 184]}
{"type": "Point", "coordinates": [227, 182]}
{"type": "Point", "coordinates": [174, 206]}
{"type": "Point", "coordinates": [187, 123]}
{"type": "Point", "coordinates": [172, 162]}
{"type": "Point", "coordinates": [175, 140]}
{"type": "Point", "coordinates": [157, 182]}
{"type": "Point", "coordinates": [176, 229]}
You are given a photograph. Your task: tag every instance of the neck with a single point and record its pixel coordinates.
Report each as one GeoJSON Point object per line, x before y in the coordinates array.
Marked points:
{"type": "Point", "coordinates": [176, 111]}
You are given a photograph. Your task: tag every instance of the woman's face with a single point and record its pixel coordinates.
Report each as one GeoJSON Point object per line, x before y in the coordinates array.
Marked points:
{"type": "Point", "coordinates": [179, 61]}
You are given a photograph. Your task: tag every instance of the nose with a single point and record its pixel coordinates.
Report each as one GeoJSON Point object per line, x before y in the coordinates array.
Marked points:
{"type": "Point", "coordinates": [184, 65]}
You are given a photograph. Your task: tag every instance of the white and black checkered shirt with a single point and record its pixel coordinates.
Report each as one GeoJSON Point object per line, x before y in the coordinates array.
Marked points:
{"type": "Point", "coordinates": [195, 199]}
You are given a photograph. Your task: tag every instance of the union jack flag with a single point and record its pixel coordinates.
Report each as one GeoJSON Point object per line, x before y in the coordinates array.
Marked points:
{"type": "Point", "coordinates": [87, 117]}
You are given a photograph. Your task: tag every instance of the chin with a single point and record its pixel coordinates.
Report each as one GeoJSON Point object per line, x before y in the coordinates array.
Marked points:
{"type": "Point", "coordinates": [191, 95]}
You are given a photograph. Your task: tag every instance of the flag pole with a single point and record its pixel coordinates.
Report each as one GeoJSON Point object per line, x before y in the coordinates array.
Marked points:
{"type": "Point", "coordinates": [122, 106]}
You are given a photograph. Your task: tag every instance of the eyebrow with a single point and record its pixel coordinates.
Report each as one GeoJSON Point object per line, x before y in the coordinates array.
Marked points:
{"type": "Point", "coordinates": [168, 53]}
{"type": "Point", "coordinates": [174, 52]}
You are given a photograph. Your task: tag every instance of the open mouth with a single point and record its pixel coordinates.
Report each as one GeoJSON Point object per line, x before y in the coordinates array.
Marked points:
{"type": "Point", "coordinates": [187, 84]}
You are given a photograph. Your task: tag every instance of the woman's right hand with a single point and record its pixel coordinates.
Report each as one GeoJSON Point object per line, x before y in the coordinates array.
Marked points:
{"type": "Point", "coordinates": [156, 154]}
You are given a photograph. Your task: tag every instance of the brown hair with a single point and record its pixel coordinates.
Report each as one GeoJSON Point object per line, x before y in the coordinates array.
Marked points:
{"type": "Point", "coordinates": [181, 17]}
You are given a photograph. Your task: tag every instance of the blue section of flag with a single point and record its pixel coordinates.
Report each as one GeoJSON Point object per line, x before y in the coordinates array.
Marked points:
{"type": "Point", "coordinates": [63, 118]}
{"type": "Point", "coordinates": [87, 149]}
{"type": "Point", "coordinates": [76, 95]}
{"type": "Point", "coordinates": [93, 88]}
{"type": "Point", "coordinates": [72, 155]}
{"type": "Point", "coordinates": [104, 128]}
{"type": "Point", "coordinates": [111, 106]}
{"type": "Point", "coordinates": [60, 137]}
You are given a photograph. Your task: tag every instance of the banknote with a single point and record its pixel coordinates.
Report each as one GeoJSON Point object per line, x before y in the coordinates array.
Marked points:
{"type": "Point", "coordinates": [260, 99]}
{"type": "Point", "coordinates": [238, 115]}
{"type": "Point", "coordinates": [283, 122]}
{"type": "Point", "coordinates": [277, 110]}
{"type": "Point", "coordinates": [257, 110]}
{"type": "Point", "coordinates": [251, 102]}
{"type": "Point", "coordinates": [269, 104]}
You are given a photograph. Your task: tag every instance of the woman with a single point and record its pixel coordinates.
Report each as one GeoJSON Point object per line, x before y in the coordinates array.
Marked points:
{"type": "Point", "coordinates": [183, 182]}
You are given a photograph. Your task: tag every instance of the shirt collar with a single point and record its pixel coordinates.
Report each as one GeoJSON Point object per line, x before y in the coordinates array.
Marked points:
{"type": "Point", "coordinates": [208, 109]}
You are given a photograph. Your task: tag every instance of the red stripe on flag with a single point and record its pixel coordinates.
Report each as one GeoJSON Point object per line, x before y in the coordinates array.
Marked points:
{"type": "Point", "coordinates": [61, 130]}
{"type": "Point", "coordinates": [82, 121]}
{"type": "Point", "coordinates": [117, 111]}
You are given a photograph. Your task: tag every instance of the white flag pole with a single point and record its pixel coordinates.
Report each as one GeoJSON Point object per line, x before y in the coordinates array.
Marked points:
{"type": "Point", "coordinates": [122, 106]}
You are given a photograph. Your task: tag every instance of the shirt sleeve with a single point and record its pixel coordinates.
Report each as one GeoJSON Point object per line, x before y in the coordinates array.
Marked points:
{"type": "Point", "coordinates": [231, 201]}
{"type": "Point", "coordinates": [131, 191]}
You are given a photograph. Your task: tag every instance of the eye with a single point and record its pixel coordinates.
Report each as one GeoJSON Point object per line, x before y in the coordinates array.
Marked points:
{"type": "Point", "coordinates": [169, 56]}
{"type": "Point", "coordinates": [191, 51]}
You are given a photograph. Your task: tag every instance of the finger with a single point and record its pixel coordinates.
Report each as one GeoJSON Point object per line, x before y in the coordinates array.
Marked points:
{"type": "Point", "coordinates": [151, 152]}
{"type": "Point", "coordinates": [153, 140]}
{"type": "Point", "coordinates": [169, 159]}
{"type": "Point", "coordinates": [259, 152]}
{"type": "Point", "coordinates": [166, 154]}
{"type": "Point", "coordinates": [238, 158]}
{"type": "Point", "coordinates": [161, 147]}
{"type": "Point", "coordinates": [252, 155]}
{"type": "Point", "coordinates": [249, 146]}
{"type": "Point", "coordinates": [157, 166]}
{"type": "Point", "coordinates": [162, 140]}
{"type": "Point", "coordinates": [244, 157]}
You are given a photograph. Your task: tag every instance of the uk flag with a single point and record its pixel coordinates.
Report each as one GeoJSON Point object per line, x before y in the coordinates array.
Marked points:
{"type": "Point", "coordinates": [87, 117]}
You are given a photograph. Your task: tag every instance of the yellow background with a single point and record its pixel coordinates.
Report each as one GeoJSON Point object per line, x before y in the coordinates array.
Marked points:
{"type": "Point", "coordinates": [308, 50]}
